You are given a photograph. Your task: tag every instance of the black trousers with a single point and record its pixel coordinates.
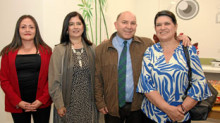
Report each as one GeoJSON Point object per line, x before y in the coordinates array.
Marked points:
{"type": "Point", "coordinates": [40, 116]}
{"type": "Point", "coordinates": [126, 116]}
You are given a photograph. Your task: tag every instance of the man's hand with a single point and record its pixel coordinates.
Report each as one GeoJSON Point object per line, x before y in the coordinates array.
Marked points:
{"type": "Point", "coordinates": [104, 110]}
{"type": "Point", "coordinates": [186, 40]}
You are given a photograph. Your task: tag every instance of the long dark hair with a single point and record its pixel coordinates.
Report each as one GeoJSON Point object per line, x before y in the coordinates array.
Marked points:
{"type": "Point", "coordinates": [65, 36]}
{"type": "Point", "coordinates": [16, 42]}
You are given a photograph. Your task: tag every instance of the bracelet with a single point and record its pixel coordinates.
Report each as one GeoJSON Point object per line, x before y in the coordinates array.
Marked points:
{"type": "Point", "coordinates": [182, 108]}
{"type": "Point", "coordinates": [17, 107]}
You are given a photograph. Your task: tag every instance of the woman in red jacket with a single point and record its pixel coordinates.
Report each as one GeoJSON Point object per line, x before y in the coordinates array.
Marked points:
{"type": "Point", "coordinates": [24, 73]}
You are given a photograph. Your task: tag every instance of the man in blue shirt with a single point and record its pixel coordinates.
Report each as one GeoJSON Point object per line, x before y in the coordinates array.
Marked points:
{"type": "Point", "coordinates": [106, 79]}
{"type": "Point", "coordinates": [107, 75]}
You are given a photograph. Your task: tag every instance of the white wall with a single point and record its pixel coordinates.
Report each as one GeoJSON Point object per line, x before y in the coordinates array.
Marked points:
{"type": "Point", "coordinates": [203, 28]}
{"type": "Point", "coordinates": [11, 10]}
{"type": "Point", "coordinates": [50, 14]}
{"type": "Point", "coordinates": [54, 12]}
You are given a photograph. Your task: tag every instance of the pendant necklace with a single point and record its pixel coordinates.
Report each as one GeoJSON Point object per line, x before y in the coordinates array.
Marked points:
{"type": "Point", "coordinates": [78, 55]}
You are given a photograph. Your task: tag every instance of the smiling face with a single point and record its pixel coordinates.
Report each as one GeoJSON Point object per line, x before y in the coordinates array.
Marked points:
{"type": "Point", "coordinates": [75, 27]}
{"type": "Point", "coordinates": [165, 28]}
{"type": "Point", "coordinates": [126, 25]}
{"type": "Point", "coordinates": [27, 30]}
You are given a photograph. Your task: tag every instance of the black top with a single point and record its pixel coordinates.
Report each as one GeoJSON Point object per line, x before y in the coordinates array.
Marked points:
{"type": "Point", "coordinates": [28, 68]}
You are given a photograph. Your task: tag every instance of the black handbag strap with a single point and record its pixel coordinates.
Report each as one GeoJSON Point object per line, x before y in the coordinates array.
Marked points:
{"type": "Point", "coordinates": [186, 52]}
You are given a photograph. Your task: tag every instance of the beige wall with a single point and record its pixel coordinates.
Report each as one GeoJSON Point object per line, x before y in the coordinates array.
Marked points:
{"type": "Point", "coordinates": [11, 10]}
{"type": "Point", "coordinates": [50, 14]}
{"type": "Point", "coordinates": [202, 28]}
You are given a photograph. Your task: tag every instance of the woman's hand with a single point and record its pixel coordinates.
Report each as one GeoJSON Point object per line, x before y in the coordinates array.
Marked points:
{"type": "Point", "coordinates": [175, 113]}
{"type": "Point", "coordinates": [34, 106]}
{"type": "Point", "coordinates": [24, 105]}
{"type": "Point", "coordinates": [61, 111]}
{"type": "Point", "coordinates": [189, 103]}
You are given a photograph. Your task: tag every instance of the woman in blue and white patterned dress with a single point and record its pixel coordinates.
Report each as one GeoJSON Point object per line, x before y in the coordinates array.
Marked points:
{"type": "Point", "coordinates": [164, 76]}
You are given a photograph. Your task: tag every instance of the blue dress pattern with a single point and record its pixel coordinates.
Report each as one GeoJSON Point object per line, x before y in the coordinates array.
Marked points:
{"type": "Point", "coordinates": [170, 80]}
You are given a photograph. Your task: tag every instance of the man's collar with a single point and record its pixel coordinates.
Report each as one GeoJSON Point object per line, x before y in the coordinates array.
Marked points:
{"type": "Point", "coordinates": [135, 39]}
{"type": "Point", "coordinates": [121, 40]}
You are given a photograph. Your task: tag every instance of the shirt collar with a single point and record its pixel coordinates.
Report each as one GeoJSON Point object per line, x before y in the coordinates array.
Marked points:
{"type": "Point", "coordinates": [121, 40]}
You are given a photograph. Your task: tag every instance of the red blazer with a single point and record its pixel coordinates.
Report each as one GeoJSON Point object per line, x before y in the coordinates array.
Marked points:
{"type": "Point", "coordinates": [9, 81]}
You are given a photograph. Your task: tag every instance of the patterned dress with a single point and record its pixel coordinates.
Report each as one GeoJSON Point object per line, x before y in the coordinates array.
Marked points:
{"type": "Point", "coordinates": [170, 80]}
{"type": "Point", "coordinates": [81, 105]}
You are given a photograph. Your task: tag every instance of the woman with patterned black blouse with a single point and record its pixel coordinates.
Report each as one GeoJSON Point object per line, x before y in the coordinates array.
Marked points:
{"type": "Point", "coordinates": [164, 76]}
{"type": "Point", "coordinates": [71, 74]}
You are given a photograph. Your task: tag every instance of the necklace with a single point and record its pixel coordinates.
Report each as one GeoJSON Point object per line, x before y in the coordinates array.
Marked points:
{"type": "Point", "coordinates": [78, 55]}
